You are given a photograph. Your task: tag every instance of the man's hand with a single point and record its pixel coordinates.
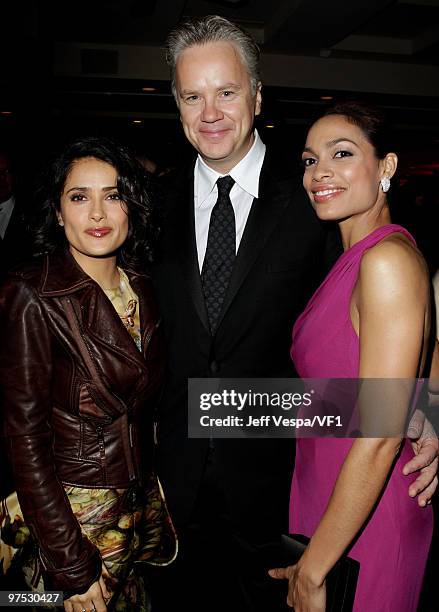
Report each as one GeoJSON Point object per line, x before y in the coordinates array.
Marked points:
{"type": "Point", "coordinates": [425, 445]}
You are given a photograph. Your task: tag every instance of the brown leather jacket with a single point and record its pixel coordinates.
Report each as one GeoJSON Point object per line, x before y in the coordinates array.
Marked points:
{"type": "Point", "coordinates": [73, 389]}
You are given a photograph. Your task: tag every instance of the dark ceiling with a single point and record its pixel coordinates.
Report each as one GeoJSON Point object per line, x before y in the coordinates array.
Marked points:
{"type": "Point", "coordinates": [84, 65]}
{"type": "Point", "coordinates": [396, 29]}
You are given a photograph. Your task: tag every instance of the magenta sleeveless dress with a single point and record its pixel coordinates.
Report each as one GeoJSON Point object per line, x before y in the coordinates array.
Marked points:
{"type": "Point", "coordinates": [393, 547]}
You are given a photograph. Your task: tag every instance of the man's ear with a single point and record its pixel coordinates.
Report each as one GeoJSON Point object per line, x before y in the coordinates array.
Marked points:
{"type": "Point", "coordinates": [258, 100]}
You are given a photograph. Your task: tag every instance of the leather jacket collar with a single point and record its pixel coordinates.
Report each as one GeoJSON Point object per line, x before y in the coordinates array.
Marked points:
{"type": "Point", "coordinates": [62, 275]}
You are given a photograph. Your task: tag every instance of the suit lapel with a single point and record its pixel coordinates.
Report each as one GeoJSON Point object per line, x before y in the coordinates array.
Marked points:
{"type": "Point", "coordinates": [148, 309]}
{"type": "Point", "coordinates": [265, 213]}
{"type": "Point", "coordinates": [275, 194]}
{"type": "Point", "coordinates": [187, 248]}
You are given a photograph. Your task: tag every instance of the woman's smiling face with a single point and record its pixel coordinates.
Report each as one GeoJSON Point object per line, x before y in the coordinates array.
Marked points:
{"type": "Point", "coordinates": [342, 172]}
{"type": "Point", "coordinates": [92, 212]}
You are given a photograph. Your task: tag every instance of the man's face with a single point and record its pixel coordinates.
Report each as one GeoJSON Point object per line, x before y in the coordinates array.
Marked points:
{"type": "Point", "coordinates": [217, 107]}
{"type": "Point", "coordinates": [5, 178]}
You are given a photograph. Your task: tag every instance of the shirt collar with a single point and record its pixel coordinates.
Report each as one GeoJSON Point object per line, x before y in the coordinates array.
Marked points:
{"type": "Point", "coordinates": [7, 205]}
{"type": "Point", "coordinates": [245, 173]}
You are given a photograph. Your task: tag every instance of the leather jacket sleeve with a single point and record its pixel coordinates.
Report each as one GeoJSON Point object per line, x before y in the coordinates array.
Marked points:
{"type": "Point", "coordinates": [71, 562]}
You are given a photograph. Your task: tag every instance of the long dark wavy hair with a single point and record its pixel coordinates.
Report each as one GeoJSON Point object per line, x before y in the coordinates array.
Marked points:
{"type": "Point", "coordinates": [135, 189]}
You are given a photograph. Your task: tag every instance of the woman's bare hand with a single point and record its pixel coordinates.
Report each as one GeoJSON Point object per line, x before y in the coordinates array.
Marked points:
{"type": "Point", "coordinates": [93, 600]}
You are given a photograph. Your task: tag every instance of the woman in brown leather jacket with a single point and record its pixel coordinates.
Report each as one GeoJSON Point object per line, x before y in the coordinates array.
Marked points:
{"type": "Point", "coordinates": [81, 363]}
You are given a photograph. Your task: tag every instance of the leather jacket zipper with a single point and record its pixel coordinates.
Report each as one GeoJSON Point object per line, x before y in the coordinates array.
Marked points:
{"type": "Point", "coordinates": [113, 403]}
{"type": "Point", "coordinates": [101, 446]}
{"type": "Point", "coordinates": [128, 447]}
{"type": "Point", "coordinates": [132, 466]}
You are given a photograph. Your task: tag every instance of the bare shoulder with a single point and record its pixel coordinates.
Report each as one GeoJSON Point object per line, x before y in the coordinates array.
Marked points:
{"type": "Point", "coordinates": [395, 267]}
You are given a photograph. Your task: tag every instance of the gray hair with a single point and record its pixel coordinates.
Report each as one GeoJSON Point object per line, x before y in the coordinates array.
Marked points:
{"type": "Point", "coordinates": [213, 28]}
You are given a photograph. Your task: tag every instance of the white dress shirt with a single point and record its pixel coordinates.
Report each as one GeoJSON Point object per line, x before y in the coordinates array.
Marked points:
{"type": "Point", "coordinates": [246, 188]}
{"type": "Point", "coordinates": [6, 209]}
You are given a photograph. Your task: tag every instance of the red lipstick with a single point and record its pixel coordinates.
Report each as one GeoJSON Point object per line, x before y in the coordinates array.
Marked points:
{"type": "Point", "coordinates": [98, 232]}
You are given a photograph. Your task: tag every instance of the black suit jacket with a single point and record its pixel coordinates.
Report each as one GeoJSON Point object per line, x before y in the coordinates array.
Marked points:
{"type": "Point", "coordinates": [15, 245]}
{"type": "Point", "coordinates": [280, 261]}
{"type": "Point", "coordinates": [14, 248]}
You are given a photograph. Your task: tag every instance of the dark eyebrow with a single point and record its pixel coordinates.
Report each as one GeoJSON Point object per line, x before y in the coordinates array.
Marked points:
{"type": "Point", "coordinates": [77, 189]}
{"type": "Point", "coordinates": [87, 188]}
{"type": "Point", "coordinates": [331, 143]}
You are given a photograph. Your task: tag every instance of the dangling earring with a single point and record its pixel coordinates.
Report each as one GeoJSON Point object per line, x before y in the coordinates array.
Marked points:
{"type": "Point", "coordinates": [385, 184]}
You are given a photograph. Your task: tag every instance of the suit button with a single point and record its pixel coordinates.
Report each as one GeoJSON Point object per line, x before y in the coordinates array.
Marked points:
{"type": "Point", "coordinates": [214, 367]}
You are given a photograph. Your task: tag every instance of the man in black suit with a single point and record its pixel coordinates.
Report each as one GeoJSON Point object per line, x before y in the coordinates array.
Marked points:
{"type": "Point", "coordinates": [241, 253]}
{"type": "Point", "coordinates": [13, 244]}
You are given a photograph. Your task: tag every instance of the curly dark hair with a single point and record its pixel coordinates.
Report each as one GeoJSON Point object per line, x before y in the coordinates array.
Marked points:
{"type": "Point", "coordinates": [134, 187]}
{"type": "Point", "coordinates": [371, 121]}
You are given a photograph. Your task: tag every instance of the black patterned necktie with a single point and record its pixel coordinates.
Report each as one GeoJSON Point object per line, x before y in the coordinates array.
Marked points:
{"type": "Point", "coordinates": [220, 252]}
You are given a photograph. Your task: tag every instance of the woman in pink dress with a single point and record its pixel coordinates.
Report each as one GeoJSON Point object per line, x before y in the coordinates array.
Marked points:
{"type": "Point", "coordinates": [369, 319]}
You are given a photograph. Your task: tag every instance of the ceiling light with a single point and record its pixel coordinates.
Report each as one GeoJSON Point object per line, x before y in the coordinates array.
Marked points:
{"type": "Point", "coordinates": [270, 125]}
{"type": "Point", "coordinates": [149, 89]}
{"type": "Point", "coordinates": [137, 121]}
{"type": "Point", "coordinates": [326, 98]}
{"type": "Point", "coordinates": [6, 112]}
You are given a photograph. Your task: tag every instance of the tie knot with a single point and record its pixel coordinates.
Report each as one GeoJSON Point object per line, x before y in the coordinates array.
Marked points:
{"type": "Point", "coordinates": [224, 184]}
